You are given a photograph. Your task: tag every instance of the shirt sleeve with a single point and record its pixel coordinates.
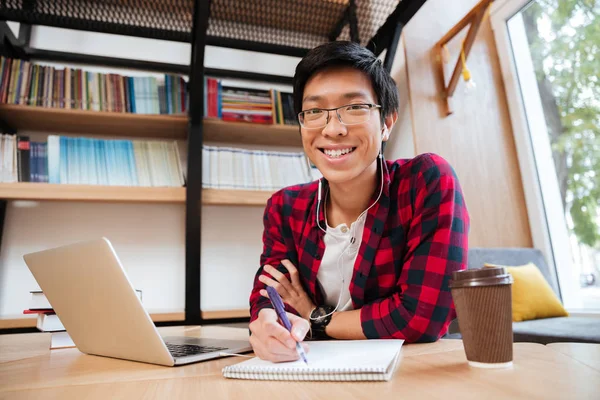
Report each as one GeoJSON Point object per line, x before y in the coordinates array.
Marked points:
{"type": "Point", "coordinates": [274, 251]}
{"type": "Point", "coordinates": [437, 243]}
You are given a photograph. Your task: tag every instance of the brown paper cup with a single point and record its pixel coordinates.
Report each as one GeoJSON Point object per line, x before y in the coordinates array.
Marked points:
{"type": "Point", "coordinates": [483, 302]}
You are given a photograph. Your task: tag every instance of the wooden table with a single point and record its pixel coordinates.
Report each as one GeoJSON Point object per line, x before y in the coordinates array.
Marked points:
{"type": "Point", "coordinates": [587, 353]}
{"type": "Point", "coordinates": [434, 371]}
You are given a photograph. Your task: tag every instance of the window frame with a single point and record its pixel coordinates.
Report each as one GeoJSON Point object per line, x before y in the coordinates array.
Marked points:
{"type": "Point", "coordinates": [542, 196]}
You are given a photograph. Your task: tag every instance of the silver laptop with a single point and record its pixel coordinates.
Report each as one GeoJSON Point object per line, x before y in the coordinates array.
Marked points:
{"type": "Point", "coordinates": [90, 292]}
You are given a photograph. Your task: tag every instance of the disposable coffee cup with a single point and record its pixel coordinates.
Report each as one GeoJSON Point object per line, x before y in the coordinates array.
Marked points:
{"type": "Point", "coordinates": [483, 301]}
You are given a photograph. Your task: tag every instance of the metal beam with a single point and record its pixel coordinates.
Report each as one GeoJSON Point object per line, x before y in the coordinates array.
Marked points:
{"type": "Point", "coordinates": [90, 25]}
{"type": "Point", "coordinates": [353, 22]}
{"type": "Point", "coordinates": [256, 46]}
{"type": "Point", "coordinates": [403, 13]}
{"type": "Point", "coordinates": [348, 17]}
{"type": "Point", "coordinates": [392, 47]}
{"type": "Point", "coordinates": [339, 26]}
{"type": "Point", "coordinates": [193, 202]}
{"type": "Point", "coordinates": [9, 43]}
{"type": "Point", "coordinates": [24, 35]}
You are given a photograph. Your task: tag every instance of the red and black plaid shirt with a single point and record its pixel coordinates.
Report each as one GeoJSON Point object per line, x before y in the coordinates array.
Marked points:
{"type": "Point", "coordinates": [414, 238]}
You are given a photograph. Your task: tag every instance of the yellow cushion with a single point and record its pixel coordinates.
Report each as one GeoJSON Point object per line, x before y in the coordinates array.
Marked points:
{"type": "Point", "coordinates": [532, 296]}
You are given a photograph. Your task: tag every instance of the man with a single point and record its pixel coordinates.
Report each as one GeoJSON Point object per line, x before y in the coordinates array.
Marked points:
{"type": "Point", "coordinates": [367, 251]}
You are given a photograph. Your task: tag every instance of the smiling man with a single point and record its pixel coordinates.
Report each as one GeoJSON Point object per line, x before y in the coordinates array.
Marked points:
{"type": "Point", "coordinates": [367, 251]}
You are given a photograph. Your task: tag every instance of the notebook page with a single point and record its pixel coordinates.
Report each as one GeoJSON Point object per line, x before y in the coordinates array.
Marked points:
{"type": "Point", "coordinates": [374, 356]}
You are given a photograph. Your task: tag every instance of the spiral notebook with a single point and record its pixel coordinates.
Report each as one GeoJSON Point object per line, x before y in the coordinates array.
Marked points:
{"type": "Point", "coordinates": [337, 360]}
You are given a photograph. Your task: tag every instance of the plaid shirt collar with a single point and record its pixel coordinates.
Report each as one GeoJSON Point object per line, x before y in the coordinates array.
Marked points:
{"type": "Point", "coordinates": [374, 225]}
{"type": "Point", "coordinates": [380, 212]}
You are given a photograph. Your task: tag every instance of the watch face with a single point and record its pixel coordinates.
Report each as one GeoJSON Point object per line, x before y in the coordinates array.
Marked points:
{"type": "Point", "coordinates": [319, 314]}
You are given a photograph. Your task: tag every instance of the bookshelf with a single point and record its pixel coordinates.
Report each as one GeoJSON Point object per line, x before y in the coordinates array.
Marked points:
{"type": "Point", "coordinates": [23, 117]}
{"type": "Point", "coordinates": [245, 133]}
{"type": "Point", "coordinates": [19, 323]}
{"type": "Point", "coordinates": [100, 123]}
{"type": "Point", "coordinates": [126, 194]}
{"type": "Point", "coordinates": [225, 314]}
{"type": "Point", "coordinates": [91, 193]}
{"type": "Point", "coordinates": [222, 197]}
{"type": "Point", "coordinates": [282, 27]}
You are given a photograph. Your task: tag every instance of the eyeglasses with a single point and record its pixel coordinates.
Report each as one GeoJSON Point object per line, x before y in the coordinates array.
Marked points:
{"type": "Point", "coordinates": [350, 114]}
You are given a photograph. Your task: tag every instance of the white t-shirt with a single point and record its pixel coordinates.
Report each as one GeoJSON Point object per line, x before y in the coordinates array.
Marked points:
{"type": "Point", "coordinates": [338, 260]}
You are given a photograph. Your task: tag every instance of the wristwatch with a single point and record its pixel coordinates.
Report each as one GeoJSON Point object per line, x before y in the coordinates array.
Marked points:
{"type": "Point", "coordinates": [319, 319]}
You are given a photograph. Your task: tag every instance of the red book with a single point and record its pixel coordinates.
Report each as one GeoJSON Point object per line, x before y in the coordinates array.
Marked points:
{"type": "Point", "coordinates": [47, 311]}
{"type": "Point", "coordinates": [257, 119]}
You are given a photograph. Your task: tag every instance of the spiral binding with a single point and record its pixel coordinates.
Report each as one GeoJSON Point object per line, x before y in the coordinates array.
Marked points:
{"type": "Point", "coordinates": [306, 374]}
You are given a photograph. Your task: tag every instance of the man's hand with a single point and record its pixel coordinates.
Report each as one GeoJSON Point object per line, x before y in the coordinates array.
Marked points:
{"type": "Point", "coordinates": [271, 341]}
{"type": "Point", "coordinates": [292, 292]}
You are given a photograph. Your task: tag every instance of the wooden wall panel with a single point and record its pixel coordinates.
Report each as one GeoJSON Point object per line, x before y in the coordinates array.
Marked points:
{"type": "Point", "coordinates": [477, 139]}
{"type": "Point", "coordinates": [401, 143]}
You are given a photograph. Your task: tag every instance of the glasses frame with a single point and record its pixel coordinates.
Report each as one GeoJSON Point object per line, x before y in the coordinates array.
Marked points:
{"type": "Point", "coordinates": [336, 109]}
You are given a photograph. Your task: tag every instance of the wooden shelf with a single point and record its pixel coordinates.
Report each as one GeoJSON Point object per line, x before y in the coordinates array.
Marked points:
{"type": "Point", "coordinates": [221, 197]}
{"type": "Point", "coordinates": [226, 314]}
{"type": "Point", "coordinates": [30, 322]}
{"type": "Point", "coordinates": [98, 193]}
{"type": "Point", "coordinates": [248, 133]}
{"type": "Point", "coordinates": [94, 122]}
{"type": "Point", "coordinates": [64, 192]}
{"type": "Point", "coordinates": [104, 123]}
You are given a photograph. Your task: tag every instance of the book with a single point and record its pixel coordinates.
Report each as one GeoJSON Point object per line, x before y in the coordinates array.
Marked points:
{"type": "Point", "coordinates": [26, 83]}
{"type": "Point", "coordinates": [237, 168]}
{"type": "Point", "coordinates": [90, 161]}
{"type": "Point", "coordinates": [39, 301]}
{"type": "Point", "coordinates": [336, 360]}
{"type": "Point", "coordinates": [61, 340]}
{"type": "Point", "coordinates": [49, 323]}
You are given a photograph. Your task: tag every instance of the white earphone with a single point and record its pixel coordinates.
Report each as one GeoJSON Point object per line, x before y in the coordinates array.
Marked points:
{"type": "Point", "coordinates": [385, 133]}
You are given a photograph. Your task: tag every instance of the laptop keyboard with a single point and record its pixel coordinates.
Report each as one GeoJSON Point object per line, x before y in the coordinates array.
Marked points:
{"type": "Point", "coordinates": [182, 350]}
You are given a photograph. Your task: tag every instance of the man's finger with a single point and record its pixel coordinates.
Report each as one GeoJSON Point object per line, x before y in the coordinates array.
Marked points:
{"type": "Point", "coordinates": [281, 278]}
{"type": "Point", "coordinates": [277, 331]}
{"type": "Point", "coordinates": [274, 284]}
{"type": "Point", "coordinates": [287, 264]}
{"type": "Point", "coordinates": [300, 327]}
{"type": "Point", "coordinates": [275, 347]}
{"type": "Point", "coordinates": [264, 293]}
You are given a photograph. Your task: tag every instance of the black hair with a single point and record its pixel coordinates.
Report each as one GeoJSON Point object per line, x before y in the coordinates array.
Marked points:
{"type": "Point", "coordinates": [350, 54]}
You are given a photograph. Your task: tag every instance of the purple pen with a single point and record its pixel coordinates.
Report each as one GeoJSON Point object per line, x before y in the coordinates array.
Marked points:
{"type": "Point", "coordinates": [280, 310]}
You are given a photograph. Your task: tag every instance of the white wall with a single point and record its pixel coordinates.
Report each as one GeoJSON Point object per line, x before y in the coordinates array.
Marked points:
{"type": "Point", "coordinates": [149, 238]}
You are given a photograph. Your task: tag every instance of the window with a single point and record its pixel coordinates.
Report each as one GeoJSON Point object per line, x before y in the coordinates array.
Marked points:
{"type": "Point", "coordinates": [550, 57]}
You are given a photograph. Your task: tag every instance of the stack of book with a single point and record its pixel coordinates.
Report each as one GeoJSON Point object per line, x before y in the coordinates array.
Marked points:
{"type": "Point", "coordinates": [48, 321]}
{"type": "Point", "coordinates": [234, 168]}
{"type": "Point", "coordinates": [246, 105]}
{"type": "Point", "coordinates": [27, 83]}
{"type": "Point", "coordinates": [242, 104]}
{"type": "Point", "coordinates": [81, 160]}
